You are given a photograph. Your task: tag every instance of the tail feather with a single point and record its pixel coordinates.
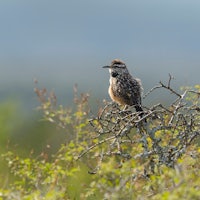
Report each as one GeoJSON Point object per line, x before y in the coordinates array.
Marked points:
{"type": "Point", "coordinates": [138, 108]}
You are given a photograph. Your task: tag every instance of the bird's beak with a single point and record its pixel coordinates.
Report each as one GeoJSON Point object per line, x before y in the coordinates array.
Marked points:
{"type": "Point", "coordinates": [106, 66]}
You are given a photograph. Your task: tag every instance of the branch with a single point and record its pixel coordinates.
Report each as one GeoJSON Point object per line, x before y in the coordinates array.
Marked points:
{"type": "Point", "coordinates": [95, 145]}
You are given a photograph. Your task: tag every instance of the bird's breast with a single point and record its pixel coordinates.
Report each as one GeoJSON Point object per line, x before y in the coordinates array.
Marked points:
{"type": "Point", "coordinates": [115, 96]}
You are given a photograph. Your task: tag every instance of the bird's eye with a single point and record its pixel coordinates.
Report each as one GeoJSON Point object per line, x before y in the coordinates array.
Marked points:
{"type": "Point", "coordinates": [114, 74]}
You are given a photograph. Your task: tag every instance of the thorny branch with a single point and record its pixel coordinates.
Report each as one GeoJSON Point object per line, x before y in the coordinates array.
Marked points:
{"type": "Point", "coordinates": [163, 132]}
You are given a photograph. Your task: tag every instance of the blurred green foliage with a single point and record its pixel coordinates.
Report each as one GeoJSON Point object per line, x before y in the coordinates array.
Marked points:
{"type": "Point", "coordinates": [66, 175]}
{"type": "Point", "coordinates": [8, 121]}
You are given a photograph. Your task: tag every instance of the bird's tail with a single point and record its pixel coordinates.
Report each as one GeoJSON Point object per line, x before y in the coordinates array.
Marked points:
{"type": "Point", "coordinates": [138, 108]}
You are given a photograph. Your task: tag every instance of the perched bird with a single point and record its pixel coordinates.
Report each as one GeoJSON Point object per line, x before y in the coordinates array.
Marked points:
{"type": "Point", "coordinates": [124, 89]}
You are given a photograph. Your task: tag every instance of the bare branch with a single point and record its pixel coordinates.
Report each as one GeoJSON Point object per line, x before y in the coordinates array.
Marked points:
{"type": "Point", "coordinates": [95, 145]}
{"type": "Point", "coordinates": [163, 132]}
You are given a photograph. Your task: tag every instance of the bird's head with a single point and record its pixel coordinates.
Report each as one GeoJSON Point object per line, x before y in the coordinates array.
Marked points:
{"type": "Point", "coordinates": [117, 67]}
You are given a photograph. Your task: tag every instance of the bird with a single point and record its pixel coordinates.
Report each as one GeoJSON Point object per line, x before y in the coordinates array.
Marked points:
{"type": "Point", "coordinates": [124, 89]}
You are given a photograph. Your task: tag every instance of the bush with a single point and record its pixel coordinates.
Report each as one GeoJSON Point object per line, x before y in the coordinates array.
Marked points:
{"type": "Point", "coordinates": [117, 154]}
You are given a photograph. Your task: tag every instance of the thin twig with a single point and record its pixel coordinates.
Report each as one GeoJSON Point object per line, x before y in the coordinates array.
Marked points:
{"type": "Point", "coordinates": [151, 90]}
{"type": "Point", "coordinates": [170, 89]}
{"type": "Point", "coordinates": [95, 145]}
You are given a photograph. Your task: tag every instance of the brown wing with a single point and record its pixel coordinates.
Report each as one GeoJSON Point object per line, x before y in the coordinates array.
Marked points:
{"type": "Point", "coordinates": [130, 90]}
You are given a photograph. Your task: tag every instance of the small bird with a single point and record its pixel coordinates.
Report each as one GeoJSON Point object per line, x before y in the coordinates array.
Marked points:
{"type": "Point", "coordinates": [124, 89]}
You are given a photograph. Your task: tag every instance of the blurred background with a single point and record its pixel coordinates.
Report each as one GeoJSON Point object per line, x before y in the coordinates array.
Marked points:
{"type": "Point", "coordinates": [64, 42]}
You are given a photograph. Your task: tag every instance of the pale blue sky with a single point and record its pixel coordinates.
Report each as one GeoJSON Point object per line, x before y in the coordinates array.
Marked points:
{"type": "Point", "coordinates": [64, 42]}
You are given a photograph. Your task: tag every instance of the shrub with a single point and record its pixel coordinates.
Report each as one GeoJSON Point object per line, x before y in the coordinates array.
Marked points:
{"type": "Point", "coordinates": [116, 154]}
